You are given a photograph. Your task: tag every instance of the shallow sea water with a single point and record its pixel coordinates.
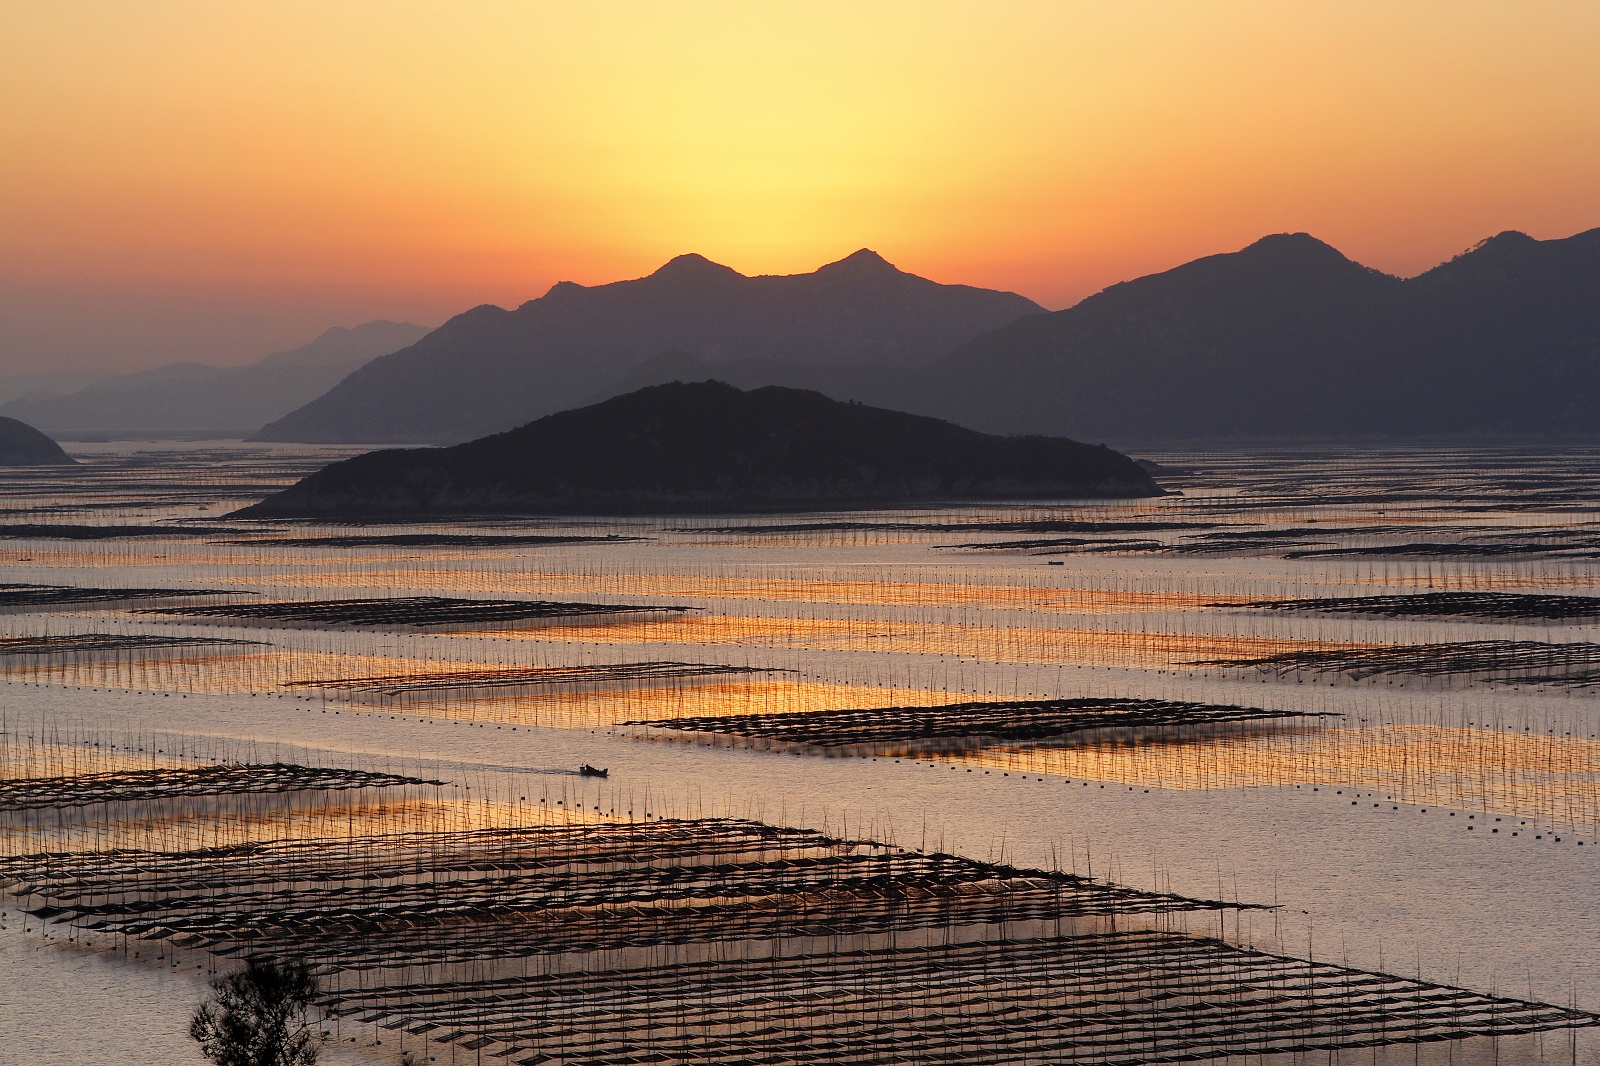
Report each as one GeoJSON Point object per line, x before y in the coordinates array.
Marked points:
{"type": "Point", "coordinates": [1357, 828]}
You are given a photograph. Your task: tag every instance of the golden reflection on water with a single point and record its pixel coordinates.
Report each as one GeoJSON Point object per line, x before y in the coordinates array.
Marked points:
{"type": "Point", "coordinates": [146, 671]}
{"type": "Point", "coordinates": [1501, 773]}
{"type": "Point", "coordinates": [115, 552]}
{"type": "Point", "coordinates": [1471, 580]}
{"type": "Point", "coordinates": [823, 588]}
{"type": "Point", "coordinates": [1496, 772]}
{"type": "Point", "coordinates": [152, 671]}
{"type": "Point", "coordinates": [715, 698]}
{"type": "Point", "coordinates": [1020, 644]}
{"type": "Point", "coordinates": [24, 759]}
{"type": "Point", "coordinates": [227, 821]}
{"type": "Point", "coordinates": [277, 669]}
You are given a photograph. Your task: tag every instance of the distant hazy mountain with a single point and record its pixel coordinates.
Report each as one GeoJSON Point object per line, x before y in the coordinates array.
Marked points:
{"type": "Point", "coordinates": [1288, 338]}
{"type": "Point", "coordinates": [709, 447]}
{"type": "Point", "coordinates": [22, 445]}
{"type": "Point", "coordinates": [490, 369]}
{"type": "Point", "coordinates": [42, 383]}
{"type": "Point", "coordinates": [194, 396]}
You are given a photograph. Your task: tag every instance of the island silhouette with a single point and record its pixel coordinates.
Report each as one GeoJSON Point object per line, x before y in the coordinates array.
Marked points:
{"type": "Point", "coordinates": [22, 445]}
{"type": "Point", "coordinates": [709, 447]}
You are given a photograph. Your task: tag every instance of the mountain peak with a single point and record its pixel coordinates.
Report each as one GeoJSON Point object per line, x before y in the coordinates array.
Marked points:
{"type": "Point", "coordinates": [1507, 238]}
{"type": "Point", "coordinates": [863, 262]}
{"type": "Point", "coordinates": [474, 375]}
{"type": "Point", "coordinates": [694, 265]}
{"type": "Point", "coordinates": [1507, 242]}
{"type": "Point", "coordinates": [1293, 245]}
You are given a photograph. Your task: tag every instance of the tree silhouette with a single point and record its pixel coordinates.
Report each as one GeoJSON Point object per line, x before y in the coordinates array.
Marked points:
{"type": "Point", "coordinates": [260, 1016]}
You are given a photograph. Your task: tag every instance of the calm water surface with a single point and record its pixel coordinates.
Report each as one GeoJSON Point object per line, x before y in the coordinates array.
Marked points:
{"type": "Point", "coordinates": [1439, 825]}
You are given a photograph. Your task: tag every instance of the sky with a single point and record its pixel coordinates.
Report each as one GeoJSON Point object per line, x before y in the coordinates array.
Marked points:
{"type": "Point", "coordinates": [215, 181]}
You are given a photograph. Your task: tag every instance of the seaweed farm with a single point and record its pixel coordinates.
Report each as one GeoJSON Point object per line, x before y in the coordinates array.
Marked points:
{"type": "Point", "coordinates": [953, 726]}
{"type": "Point", "coordinates": [39, 597]}
{"type": "Point", "coordinates": [1104, 998]}
{"type": "Point", "coordinates": [1299, 762]}
{"type": "Point", "coordinates": [129, 786]}
{"type": "Point", "coordinates": [405, 611]}
{"type": "Point", "coordinates": [1501, 662]}
{"type": "Point", "coordinates": [1489, 606]}
{"type": "Point", "coordinates": [718, 940]}
{"type": "Point", "coordinates": [462, 683]}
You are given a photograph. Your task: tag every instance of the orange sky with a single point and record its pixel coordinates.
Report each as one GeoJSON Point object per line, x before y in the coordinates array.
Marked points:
{"type": "Point", "coordinates": [215, 180]}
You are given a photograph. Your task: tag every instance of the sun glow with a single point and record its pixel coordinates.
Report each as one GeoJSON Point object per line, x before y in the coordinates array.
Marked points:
{"type": "Point", "coordinates": [421, 158]}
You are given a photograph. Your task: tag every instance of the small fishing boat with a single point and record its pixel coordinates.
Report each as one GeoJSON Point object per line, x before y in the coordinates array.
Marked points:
{"type": "Point", "coordinates": [592, 771]}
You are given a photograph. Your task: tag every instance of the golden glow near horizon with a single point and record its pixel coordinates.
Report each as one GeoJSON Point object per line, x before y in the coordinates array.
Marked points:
{"type": "Point", "coordinates": [358, 159]}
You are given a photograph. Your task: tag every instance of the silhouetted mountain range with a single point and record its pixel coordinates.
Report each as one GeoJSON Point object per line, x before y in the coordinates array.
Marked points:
{"type": "Point", "coordinates": [490, 369]}
{"type": "Point", "coordinates": [1288, 338]}
{"type": "Point", "coordinates": [196, 396]}
{"type": "Point", "coordinates": [22, 445]}
{"type": "Point", "coordinates": [704, 448]}
{"type": "Point", "coordinates": [1285, 338]}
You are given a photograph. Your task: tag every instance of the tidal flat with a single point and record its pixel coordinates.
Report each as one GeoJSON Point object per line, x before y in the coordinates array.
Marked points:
{"type": "Point", "coordinates": [1300, 761]}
